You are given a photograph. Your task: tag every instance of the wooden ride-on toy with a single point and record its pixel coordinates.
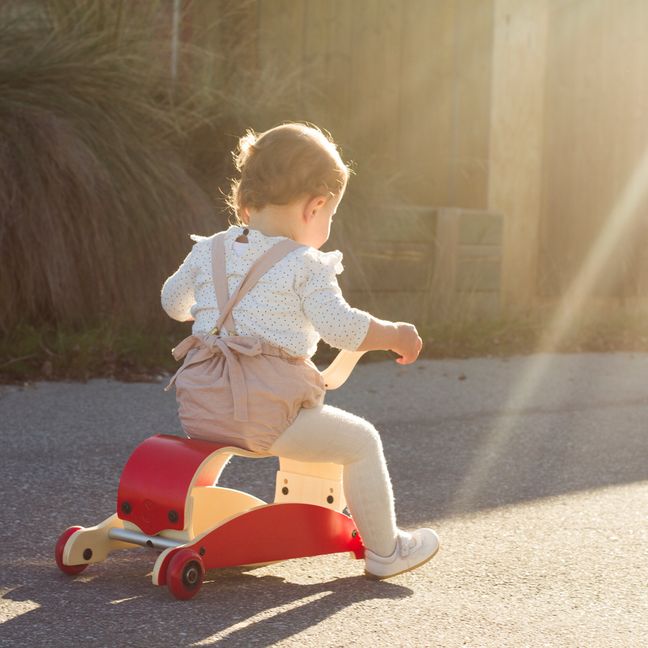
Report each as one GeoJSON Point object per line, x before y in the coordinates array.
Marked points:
{"type": "Point", "coordinates": [168, 499]}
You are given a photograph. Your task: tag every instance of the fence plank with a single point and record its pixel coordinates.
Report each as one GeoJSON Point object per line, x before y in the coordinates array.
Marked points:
{"type": "Point", "coordinates": [433, 264]}
{"type": "Point", "coordinates": [427, 100]}
{"type": "Point", "coordinates": [596, 102]}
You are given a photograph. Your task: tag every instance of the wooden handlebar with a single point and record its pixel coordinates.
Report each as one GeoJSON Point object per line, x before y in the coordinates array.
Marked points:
{"type": "Point", "coordinates": [336, 374]}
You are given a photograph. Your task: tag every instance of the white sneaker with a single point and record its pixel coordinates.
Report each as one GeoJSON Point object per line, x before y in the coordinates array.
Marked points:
{"type": "Point", "coordinates": [412, 550]}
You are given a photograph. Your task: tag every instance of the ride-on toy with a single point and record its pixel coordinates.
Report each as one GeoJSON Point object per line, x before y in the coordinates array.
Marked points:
{"type": "Point", "coordinates": [168, 499]}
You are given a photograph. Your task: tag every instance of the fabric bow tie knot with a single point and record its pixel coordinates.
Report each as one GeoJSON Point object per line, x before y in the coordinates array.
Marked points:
{"type": "Point", "coordinates": [243, 345]}
{"type": "Point", "coordinates": [229, 347]}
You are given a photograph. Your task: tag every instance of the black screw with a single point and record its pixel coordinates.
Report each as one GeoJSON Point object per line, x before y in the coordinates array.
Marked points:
{"type": "Point", "coordinates": [202, 551]}
{"type": "Point", "coordinates": [354, 534]}
{"type": "Point", "coordinates": [330, 499]}
{"type": "Point", "coordinates": [126, 508]}
{"type": "Point", "coordinates": [87, 554]}
{"type": "Point", "coordinates": [284, 490]}
{"type": "Point", "coordinates": [173, 516]}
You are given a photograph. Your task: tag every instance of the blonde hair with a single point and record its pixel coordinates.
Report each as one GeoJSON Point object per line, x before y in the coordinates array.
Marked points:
{"type": "Point", "coordinates": [283, 164]}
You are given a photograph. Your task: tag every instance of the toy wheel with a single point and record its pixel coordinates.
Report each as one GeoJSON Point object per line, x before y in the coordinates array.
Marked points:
{"type": "Point", "coordinates": [185, 574]}
{"type": "Point", "coordinates": [71, 570]}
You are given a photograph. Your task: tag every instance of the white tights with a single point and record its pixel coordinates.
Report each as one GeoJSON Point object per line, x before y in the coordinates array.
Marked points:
{"type": "Point", "coordinates": [329, 434]}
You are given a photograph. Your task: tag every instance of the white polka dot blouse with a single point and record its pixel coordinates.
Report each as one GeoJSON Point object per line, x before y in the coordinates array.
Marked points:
{"type": "Point", "coordinates": [294, 305]}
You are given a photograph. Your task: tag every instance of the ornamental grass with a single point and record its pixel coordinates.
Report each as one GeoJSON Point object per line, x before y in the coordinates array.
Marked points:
{"type": "Point", "coordinates": [92, 182]}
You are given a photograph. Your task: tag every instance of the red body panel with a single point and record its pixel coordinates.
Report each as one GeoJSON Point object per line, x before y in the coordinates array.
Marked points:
{"type": "Point", "coordinates": [274, 532]}
{"type": "Point", "coordinates": [154, 484]}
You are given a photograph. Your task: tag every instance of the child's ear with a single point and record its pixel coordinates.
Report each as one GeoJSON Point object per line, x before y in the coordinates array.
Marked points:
{"type": "Point", "coordinates": [313, 205]}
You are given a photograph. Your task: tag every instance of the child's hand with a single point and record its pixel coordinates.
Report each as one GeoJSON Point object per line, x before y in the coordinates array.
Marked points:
{"type": "Point", "coordinates": [408, 343]}
{"type": "Point", "coordinates": [400, 337]}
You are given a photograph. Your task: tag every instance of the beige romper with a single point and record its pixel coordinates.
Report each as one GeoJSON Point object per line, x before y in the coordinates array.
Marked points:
{"type": "Point", "coordinates": [241, 390]}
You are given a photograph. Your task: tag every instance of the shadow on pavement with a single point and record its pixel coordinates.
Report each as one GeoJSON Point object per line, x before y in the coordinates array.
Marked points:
{"type": "Point", "coordinates": [461, 464]}
{"type": "Point", "coordinates": [114, 603]}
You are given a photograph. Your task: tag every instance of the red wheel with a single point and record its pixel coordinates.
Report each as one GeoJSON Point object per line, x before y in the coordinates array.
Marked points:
{"type": "Point", "coordinates": [185, 574]}
{"type": "Point", "coordinates": [72, 570]}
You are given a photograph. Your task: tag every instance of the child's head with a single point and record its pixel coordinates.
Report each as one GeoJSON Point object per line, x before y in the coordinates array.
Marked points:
{"type": "Point", "coordinates": [284, 164]}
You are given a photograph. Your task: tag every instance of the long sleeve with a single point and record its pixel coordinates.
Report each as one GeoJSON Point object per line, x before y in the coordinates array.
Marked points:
{"type": "Point", "coordinates": [339, 325]}
{"type": "Point", "coordinates": [178, 292]}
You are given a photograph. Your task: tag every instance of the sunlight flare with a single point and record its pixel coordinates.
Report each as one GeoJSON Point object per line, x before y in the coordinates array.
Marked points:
{"type": "Point", "coordinates": [623, 215]}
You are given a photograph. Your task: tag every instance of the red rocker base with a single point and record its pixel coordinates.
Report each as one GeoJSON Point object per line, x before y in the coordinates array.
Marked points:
{"type": "Point", "coordinates": [168, 499]}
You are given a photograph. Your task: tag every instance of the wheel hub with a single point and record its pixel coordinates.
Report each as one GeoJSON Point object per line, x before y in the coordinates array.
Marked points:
{"type": "Point", "coordinates": [191, 575]}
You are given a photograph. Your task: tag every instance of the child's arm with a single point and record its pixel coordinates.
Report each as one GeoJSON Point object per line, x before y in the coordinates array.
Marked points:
{"type": "Point", "coordinates": [345, 327]}
{"type": "Point", "coordinates": [178, 292]}
{"type": "Point", "coordinates": [400, 337]}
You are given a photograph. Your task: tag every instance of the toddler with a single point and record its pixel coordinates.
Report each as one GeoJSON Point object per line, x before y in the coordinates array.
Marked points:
{"type": "Point", "coordinates": [261, 296]}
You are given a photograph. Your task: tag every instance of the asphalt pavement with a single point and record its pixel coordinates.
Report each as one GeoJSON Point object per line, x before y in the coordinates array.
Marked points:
{"type": "Point", "coordinates": [533, 470]}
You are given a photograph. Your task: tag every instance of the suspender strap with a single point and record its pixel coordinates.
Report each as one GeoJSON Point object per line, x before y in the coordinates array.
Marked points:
{"type": "Point", "coordinates": [219, 278]}
{"type": "Point", "coordinates": [257, 270]}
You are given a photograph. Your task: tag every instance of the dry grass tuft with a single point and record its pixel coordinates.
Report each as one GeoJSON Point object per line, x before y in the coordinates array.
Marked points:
{"type": "Point", "coordinates": [93, 189]}
{"type": "Point", "coordinates": [107, 162]}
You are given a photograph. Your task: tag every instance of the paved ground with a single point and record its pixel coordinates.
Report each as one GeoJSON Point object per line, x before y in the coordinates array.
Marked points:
{"type": "Point", "coordinates": [533, 470]}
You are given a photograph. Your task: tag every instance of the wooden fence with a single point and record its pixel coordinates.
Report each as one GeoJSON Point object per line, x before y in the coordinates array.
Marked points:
{"type": "Point", "coordinates": [596, 134]}
{"type": "Point", "coordinates": [431, 95]}
{"type": "Point", "coordinates": [403, 85]}
{"type": "Point", "coordinates": [427, 266]}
